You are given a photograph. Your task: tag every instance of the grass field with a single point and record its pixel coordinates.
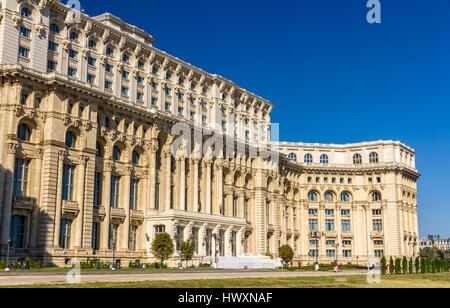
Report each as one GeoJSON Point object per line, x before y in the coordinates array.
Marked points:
{"type": "Point", "coordinates": [393, 281]}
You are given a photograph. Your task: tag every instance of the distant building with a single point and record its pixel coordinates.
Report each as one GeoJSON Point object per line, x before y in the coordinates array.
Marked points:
{"type": "Point", "coordinates": [442, 244]}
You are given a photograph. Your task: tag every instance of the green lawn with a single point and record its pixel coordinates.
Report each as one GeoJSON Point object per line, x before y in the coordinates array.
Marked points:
{"type": "Point", "coordinates": [441, 280]}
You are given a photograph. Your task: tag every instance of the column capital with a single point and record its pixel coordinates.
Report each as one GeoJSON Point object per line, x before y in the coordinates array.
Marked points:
{"type": "Point", "coordinates": [39, 153]}
{"type": "Point", "coordinates": [83, 159]}
{"type": "Point", "coordinates": [109, 166]}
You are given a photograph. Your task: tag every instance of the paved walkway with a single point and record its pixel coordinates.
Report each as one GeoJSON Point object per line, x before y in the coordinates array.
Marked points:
{"type": "Point", "coordinates": [17, 280]}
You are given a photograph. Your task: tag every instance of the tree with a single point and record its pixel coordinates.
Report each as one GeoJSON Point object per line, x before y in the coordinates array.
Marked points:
{"type": "Point", "coordinates": [391, 265]}
{"type": "Point", "coordinates": [383, 265]}
{"type": "Point", "coordinates": [417, 265]}
{"type": "Point", "coordinates": [398, 266]}
{"type": "Point", "coordinates": [187, 250]}
{"type": "Point", "coordinates": [162, 247]}
{"type": "Point", "coordinates": [286, 253]}
{"type": "Point", "coordinates": [410, 266]}
{"type": "Point", "coordinates": [428, 265]}
{"type": "Point", "coordinates": [404, 265]}
{"type": "Point", "coordinates": [423, 266]}
{"type": "Point", "coordinates": [433, 266]}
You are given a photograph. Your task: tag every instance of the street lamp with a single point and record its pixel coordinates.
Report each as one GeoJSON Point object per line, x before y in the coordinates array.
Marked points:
{"type": "Point", "coordinates": [113, 250]}
{"type": "Point", "coordinates": [316, 236]}
{"type": "Point", "coordinates": [7, 256]}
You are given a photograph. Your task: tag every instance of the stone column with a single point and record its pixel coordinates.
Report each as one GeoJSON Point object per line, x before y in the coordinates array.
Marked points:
{"type": "Point", "coordinates": [153, 148]}
{"type": "Point", "coordinates": [240, 237]}
{"type": "Point", "coordinates": [168, 178]}
{"type": "Point", "coordinates": [183, 184]}
{"type": "Point", "coordinates": [61, 157]}
{"type": "Point", "coordinates": [208, 188]}
{"type": "Point", "coordinates": [37, 195]}
{"type": "Point", "coordinates": [106, 200]}
{"type": "Point", "coordinates": [219, 181]}
{"type": "Point", "coordinates": [228, 252]}
{"type": "Point", "coordinates": [126, 205]}
{"type": "Point", "coordinates": [196, 185]}
{"type": "Point", "coordinates": [177, 184]}
{"type": "Point", "coordinates": [368, 238]}
{"type": "Point", "coordinates": [7, 201]}
{"type": "Point", "coordinates": [80, 198]}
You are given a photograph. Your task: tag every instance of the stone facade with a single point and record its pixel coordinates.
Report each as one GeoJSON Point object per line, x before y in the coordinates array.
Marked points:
{"type": "Point", "coordinates": [88, 166]}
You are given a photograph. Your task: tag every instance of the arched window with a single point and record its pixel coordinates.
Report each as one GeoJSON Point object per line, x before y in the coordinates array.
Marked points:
{"type": "Point", "coordinates": [308, 159]}
{"type": "Point", "coordinates": [25, 12]}
{"type": "Point", "coordinates": [312, 196]}
{"type": "Point", "coordinates": [116, 153]}
{"type": "Point", "coordinates": [125, 58]}
{"type": "Point", "coordinates": [376, 196]}
{"type": "Point", "coordinates": [135, 158]}
{"type": "Point", "coordinates": [109, 51]}
{"type": "Point", "coordinates": [71, 139]}
{"type": "Point", "coordinates": [54, 28]}
{"type": "Point", "coordinates": [92, 44]}
{"type": "Point", "coordinates": [324, 159]}
{"type": "Point", "coordinates": [345, 197]}
{"type": "Point", "coordinates": [99, 150]}
{"type": "Point", "coordinates": [73, 36]}
{"type": "Point", "coordinates": [24, 132]}
{"type": "Point", "coordinates": [293, 157]}
{"type": "Point", "coordinates": [373, 158]}
{"type": "Point", "coordinates": [357, 159]}
{"type": "Point", "coordinates": [329, 196]}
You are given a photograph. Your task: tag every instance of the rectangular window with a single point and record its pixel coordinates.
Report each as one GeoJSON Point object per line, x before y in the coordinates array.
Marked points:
{"type": "Point", "coordinates": [112, 238]}
{"type": "Point", "coordinates": [347, 253]}
{"type": "Point", "coordinates": [329, 212]}
{"type": "Point", "coordinates": [91, 79]}
{"type": "Point", "coordinates": [329, 225]}
{"type": "Point", "coordinates": [313, 225]}
{"type": "Point", "coordinates": [95, 236]}
{"type": "Point", "coordinates": [267, 212]}
{"type": "Point", "coordinates": [108, 85]}
{"type": "Point", "coordinates": [346, 243]}
{"type": "Point", "coordinates": [157, 196]}
{"type": "Point", "coordinates": [17, 231]}
{"type": "Point", "coordinates": [115, 181]}
{"type": "Point", "coordinates": [312, 212]}
{"type": "Point", "coordinates": [346, 225]}
{"type": "Point", "coordinates": [68, 177]}
{"type": "Point", "coordinates": [132, 237]}
{"type": "Point", "coordinates": [108, 68]}
{"type": "Point", "coordinates": [331, 253]}
{"type": "Point", "coordinates": [167, 107]}
{"type": "Point", "coordinates": [345, 212]}
{"type": "Point", "coordinates": [72, 72]}
{"type": "Point", "coordinates": [377, 225]}
{"type": "Point", "coordinates": [154, 86]}
{"type": "Point", "coordinates": [73, 54]}
{"type": "Point", "coordinates": [159, 230]}
{"type": "Point", "coordinates": [140, 96]}
{"type": "Point", "coordinates": [125, 74]}
{"type": "Point", "coordinates": [313, 253]}
{"type": "Point", "coordinates": [124, 91]}
{"type": "Point", "coordinates": [24, 52]}
{"type": "Point", "coordinates": [51, 65]}
{"type": "Point", "coordinates": [97, 189]}
{"type": "Point", "coordinates": [313, 242]}
{"type": "Point", "coordinates": [330, 242]}
{"type": "Point", "coordinates": [379, 253]}
{"type": "Point", "coordinates": [52, 46]}
{"type": "Point", "coordinates": [376, 212]}
{"type": "Point", "coordinates": [139, 79]}
{"type": "Point", "coordinates": [23, 99]}
{"type": "Point", "coordinates": [20, 177]}
{"type": "Point", "coordinates": [25, 32]}
{"type": "Point", "coordinates": [91, 61]}
{"type": "Point", "coordinates": [65, 232]}
{"type": "Point", "coordinates": [154, 101]}
{"type": "Point", "coordinates": [134, 184]}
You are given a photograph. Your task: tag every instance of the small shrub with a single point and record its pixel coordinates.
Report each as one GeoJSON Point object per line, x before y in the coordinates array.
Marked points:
{"type": "Point", "coordinates": [404, 265]}
{"type": "Point", "coordinates": [398, 266]}
{"type": "Point", "coordinates": [286, 253]}
{"type": "Point", "coordinates": [433, 266]}
{"type": "Point", "coordinates": [410, 266]}
{"type": "Point", "coordinates": [423, 266]}
{"type": "Point", "coordinates": [383, 265]}
{"type": "Point", "coordinates": [417, 265]}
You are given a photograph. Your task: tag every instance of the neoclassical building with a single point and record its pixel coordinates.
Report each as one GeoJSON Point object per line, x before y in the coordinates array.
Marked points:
{"type": "Point", "coordinates": [90, 165]}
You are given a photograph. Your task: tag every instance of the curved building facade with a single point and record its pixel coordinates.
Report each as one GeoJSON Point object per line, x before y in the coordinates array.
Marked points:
{"type": "Point", "coordinates": [92, 164]}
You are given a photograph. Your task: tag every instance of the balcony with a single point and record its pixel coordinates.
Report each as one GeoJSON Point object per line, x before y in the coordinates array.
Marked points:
{"type": "Point", "coordinates": [331, 234]}
{"type": "Point", "coordinates": [137, 216]}
{"type": "Point", "coordinates": [118, 215]}
{"type": "Point", "coordinates": [198, 217]}
{"type": "Point", "coordinates": [99, 212]}
{"type": "Point", "coordinates": [24, 203]}
{"type": "Point", "coordinates": [70, 209]}
{"type": "Point", "coordinates": [377, 234]}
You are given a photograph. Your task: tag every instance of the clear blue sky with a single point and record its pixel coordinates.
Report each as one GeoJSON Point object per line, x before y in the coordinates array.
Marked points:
{"type": "Point", "coordinates": [333, 77]}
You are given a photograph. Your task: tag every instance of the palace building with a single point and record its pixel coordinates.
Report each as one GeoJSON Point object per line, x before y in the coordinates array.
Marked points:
{"type": "Point", "coordinates": [88, 170]}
